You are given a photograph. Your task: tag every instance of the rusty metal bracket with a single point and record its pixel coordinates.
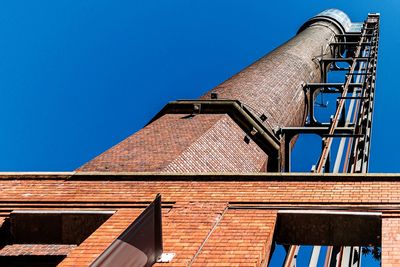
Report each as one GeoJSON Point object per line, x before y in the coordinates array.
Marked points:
{"type": "Point", "coordinates": [311, 89]}
{"type": "Point", "coordinates": [323, 131]}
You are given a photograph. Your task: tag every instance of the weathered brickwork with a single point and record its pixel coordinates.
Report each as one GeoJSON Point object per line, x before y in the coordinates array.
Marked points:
{"type": "Point", "coordinates": [36, 249]}
{"type": "Point", "coordinates": [250, 232]}
{"type": "Point", "coordinates": [204, 143]}
{"type": "Point", "coordinates": [153, 147]}
{"type": "Point", "coordinates": [222, 149]}
{"type": "Point", "coordinates": [273, 85]}
{"type": "Point", "coordinates": [213, 143]}
{"type": "Point", "coordinates": [96, 243]}
{"type": "Point", "coordinates": [186, 226]}
{"type": "Point", "coordinates": [214, 221]}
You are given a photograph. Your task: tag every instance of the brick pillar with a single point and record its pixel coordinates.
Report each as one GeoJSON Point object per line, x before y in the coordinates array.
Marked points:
{"type": "Point", "coordinates": [214, 143]}
{"type": "Point", "coordinates": [391, 242]}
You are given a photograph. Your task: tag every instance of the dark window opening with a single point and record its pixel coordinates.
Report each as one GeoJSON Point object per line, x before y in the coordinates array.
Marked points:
{"type": "Point", "coordinates": [44, 238]}
{"type": "Point", "coordinates": [326, 238]}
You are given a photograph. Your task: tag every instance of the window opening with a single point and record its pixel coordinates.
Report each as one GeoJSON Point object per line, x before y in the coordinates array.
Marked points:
{"type": "Point", "coordinates": [326, 239]}
{"type": "Point", "coordinates": [45, 237]}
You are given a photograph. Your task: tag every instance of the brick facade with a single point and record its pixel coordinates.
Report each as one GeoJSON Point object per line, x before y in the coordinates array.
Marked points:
{"type": "Point", "coordinates": [211, 220]}
{"type": "Point", "coordinates": [36, 249]}
{"type": "Point", "coordinates": [391, 241]}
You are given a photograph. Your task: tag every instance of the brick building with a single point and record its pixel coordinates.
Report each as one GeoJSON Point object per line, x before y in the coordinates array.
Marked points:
{"type": "Point", "coordinates": [219, 164]}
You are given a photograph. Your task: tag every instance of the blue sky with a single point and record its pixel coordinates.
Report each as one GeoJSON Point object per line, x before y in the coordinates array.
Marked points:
{"type": "Point", "coordinates": [77, 77]}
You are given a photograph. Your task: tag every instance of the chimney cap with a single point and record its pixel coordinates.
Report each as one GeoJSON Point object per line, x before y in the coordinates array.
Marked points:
{"type": "Point", "coordinates": [336, 17]}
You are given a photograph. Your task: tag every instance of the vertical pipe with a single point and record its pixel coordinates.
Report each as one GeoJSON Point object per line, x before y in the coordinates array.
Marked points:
{"type": "Point", "coordinates": [348, 118]}
{"type": "Point", "coordinates": [291, 256]}
{"type": "Point", "coordinates": [328, 143]}
{"type": "Point", "coordinates": [355, 257]}
{"type": "Point", "coordinates": [346, 256]}
{"type": "Point", "coordinates": [328, 256]}
{"type": "Point", "coordinates": [314, 256]}
{"type": "Point", "coordinates": [339, 257]}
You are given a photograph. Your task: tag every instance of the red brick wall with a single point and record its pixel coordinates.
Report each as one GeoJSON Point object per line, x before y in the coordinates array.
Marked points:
{"type": "Point", "coordinates": [391, 241]}
{"type": "Point", "coordinates": [36, 249]}
{"type": "Point", "coordinates": [203, 226]}
{"type": "Point", "coordinates": [242, 237]}
{"type": "Point", "coordinates": [205, 143]}
{"type": "Point", "coordinates": [96, 243]}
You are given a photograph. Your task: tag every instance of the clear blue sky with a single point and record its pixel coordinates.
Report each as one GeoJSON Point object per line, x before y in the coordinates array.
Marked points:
{"type": "Point", "coordinates": [77, 77]}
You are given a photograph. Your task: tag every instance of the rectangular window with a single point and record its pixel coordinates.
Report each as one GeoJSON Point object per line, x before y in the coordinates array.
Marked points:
{"type": "Point", "coordinates": [326, 238]}
{"type": "Point", "coordinates": [45, 237]}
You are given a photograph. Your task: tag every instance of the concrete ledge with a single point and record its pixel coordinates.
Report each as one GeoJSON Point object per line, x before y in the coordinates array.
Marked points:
{"type": "Point", "coordinates": [156, 176]}
{"type": "Point", "coordinates": [35, 175]}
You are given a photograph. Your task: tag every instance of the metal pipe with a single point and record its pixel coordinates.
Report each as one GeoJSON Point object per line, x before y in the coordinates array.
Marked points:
{"type": "Point", "coordinates": [314, 256]}
{"type": "Point", "coordinates": [335, 121]}
{"type": "Point", "coordinates": [328, 256]}
{"type": "Point", "coordinates": [291, 256]}
{"type": "Point", "coordinates": [342, 143]}
{"type": "Point", "coordinates": [346, 256]}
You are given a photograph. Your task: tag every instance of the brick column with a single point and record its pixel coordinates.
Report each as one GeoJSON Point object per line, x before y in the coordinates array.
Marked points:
{"type": "Point", "coordinates": [390, 242]}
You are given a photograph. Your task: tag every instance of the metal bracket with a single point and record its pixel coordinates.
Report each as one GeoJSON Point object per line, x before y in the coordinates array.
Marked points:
{"type": "Point", "coordinates": [327, 88]}
{"type": "Point", "coordinates": [323, 131]}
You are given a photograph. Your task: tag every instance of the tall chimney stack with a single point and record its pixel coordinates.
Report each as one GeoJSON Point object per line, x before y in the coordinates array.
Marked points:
{"type": "Point", "coordinates": [232, 127]}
